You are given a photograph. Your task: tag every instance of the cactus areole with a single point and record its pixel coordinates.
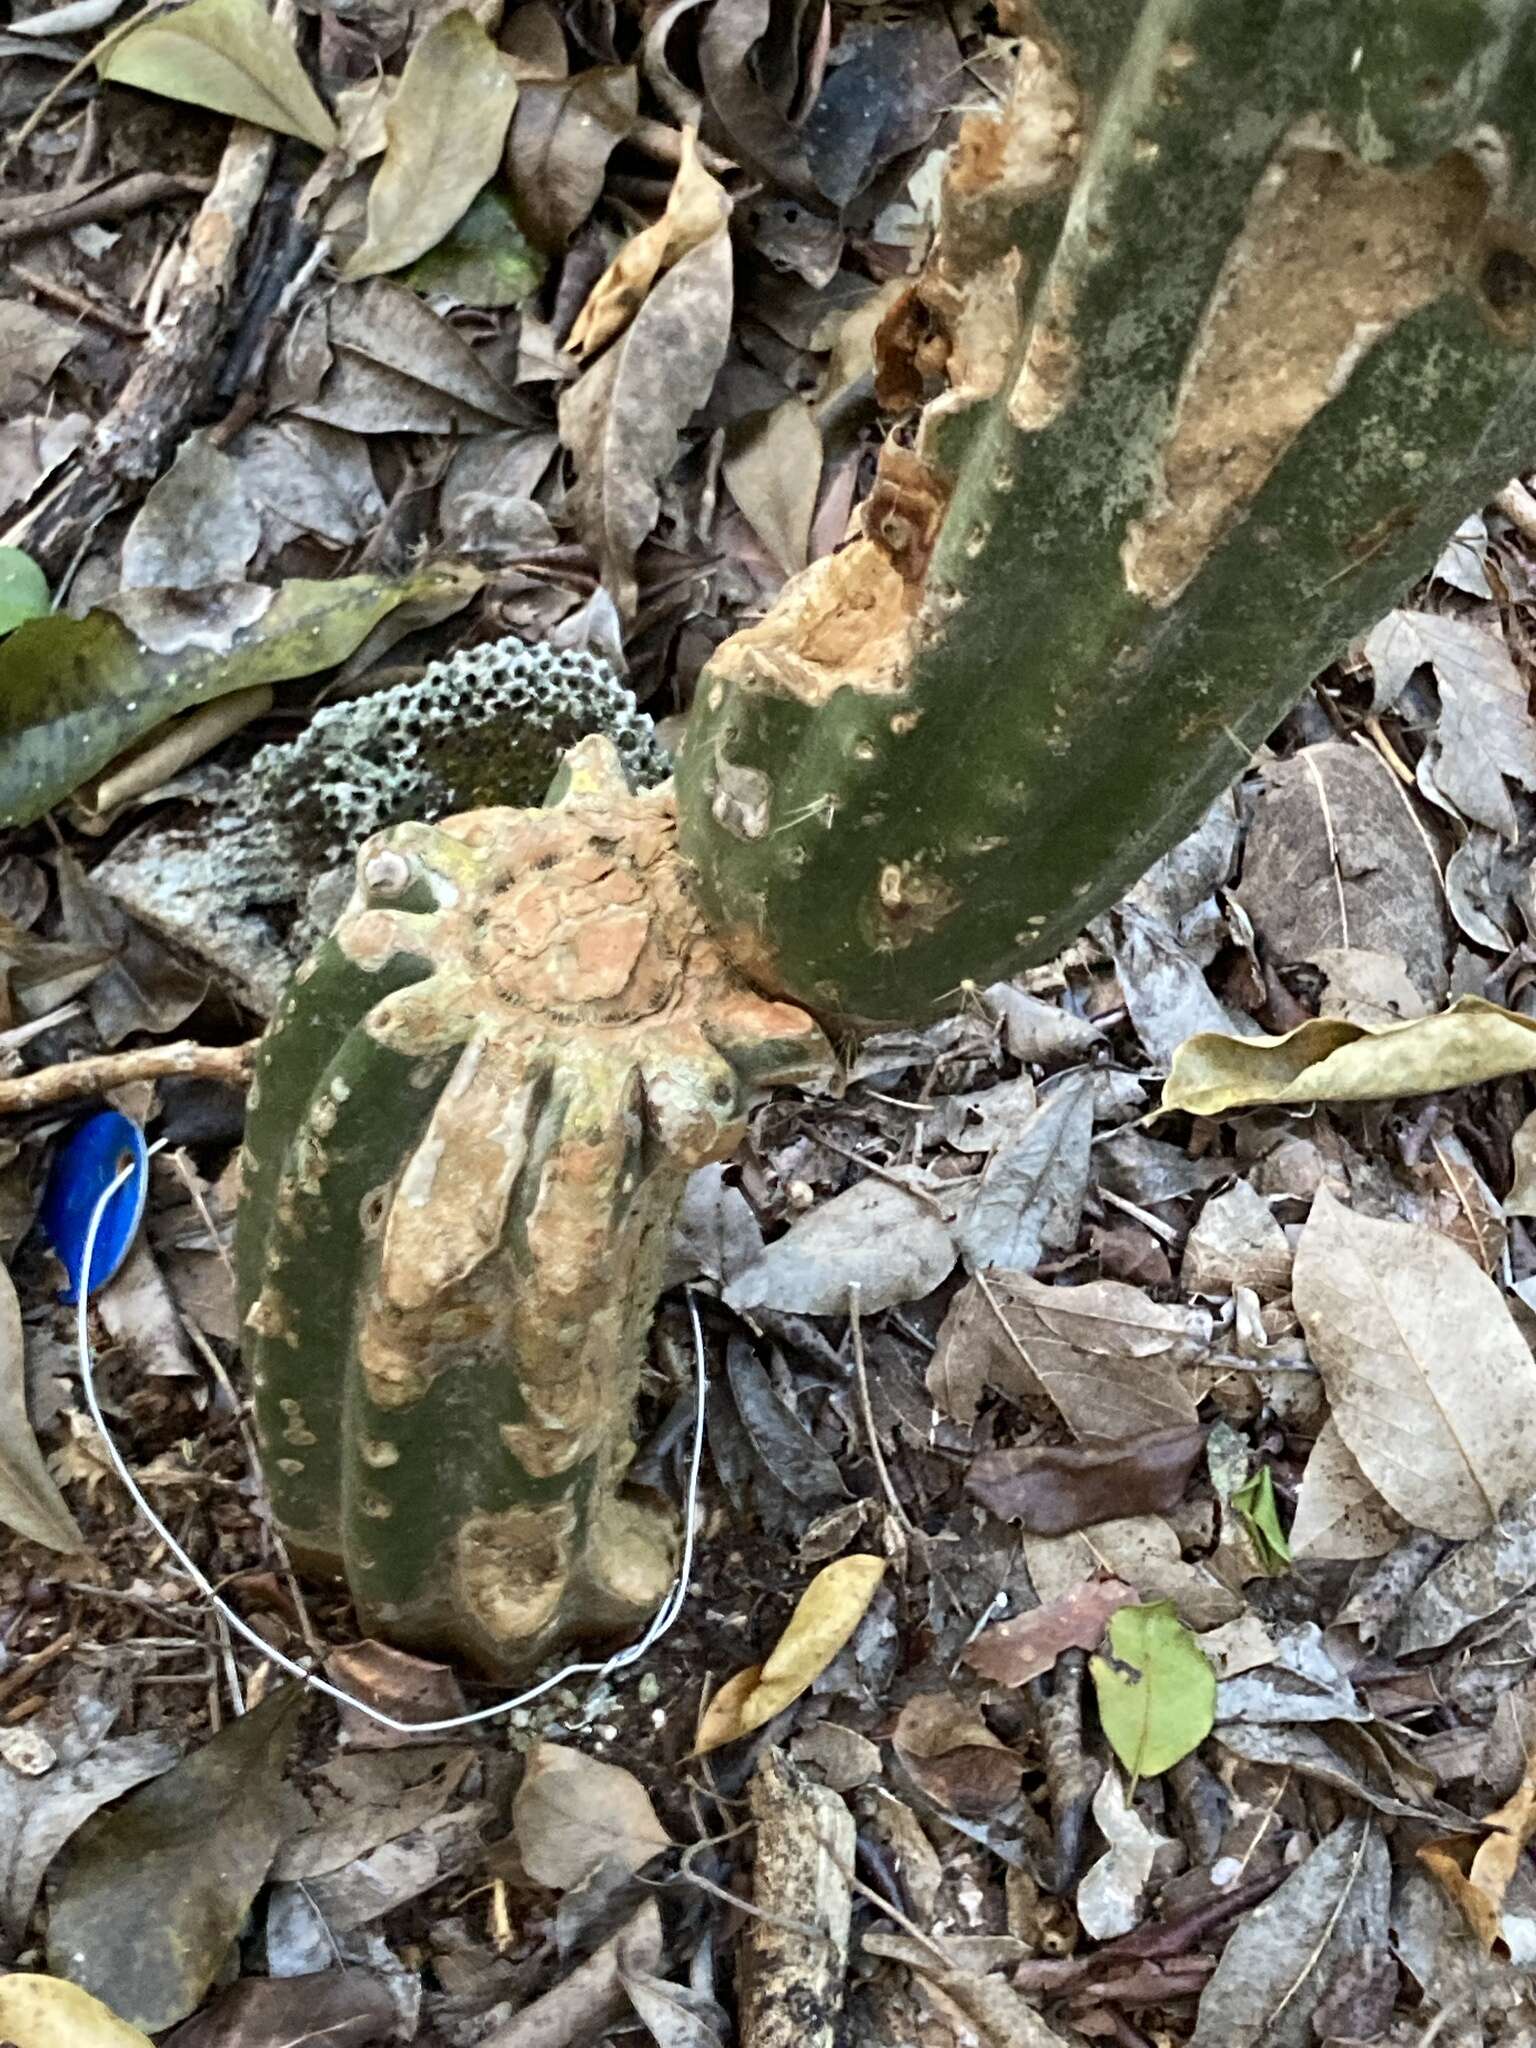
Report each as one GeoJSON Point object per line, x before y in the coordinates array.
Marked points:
{"type": "Point", "coordinates": [1230, 317]}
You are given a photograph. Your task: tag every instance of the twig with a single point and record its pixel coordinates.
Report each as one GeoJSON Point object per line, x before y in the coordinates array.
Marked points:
{"type": "Point", "coordinates": [110, 202]}
{"type": "Point", "coordinates": [881, 1172]}
{"type": "Point", "coordinates": [75, 1079]}
{"type": "Point", "coordinates": [27, 1669]}
{"type": "Point", "coordinates": [1071, 1775]}
{"type": "Point", "coordinates": [77, 303]}
{"type": "Point", "coordinates": [77, 70]}
{"type": "Point", "coordinates": [868, 1413]}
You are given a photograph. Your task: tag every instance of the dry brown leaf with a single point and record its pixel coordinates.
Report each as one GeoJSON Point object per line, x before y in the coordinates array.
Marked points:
{"type": "Point", "coordinates": [828, 1612]}
{"type": "Point", "coordinates": [1475, 1870]}
{"type": "Point", "coordinates": [621, 419]}
{"type": "Point", "coordinates": [773, 468]}
{"type": "Point", "coordinates": [1521, 1199]}
{"type": "Point", "coordinates": [445, 128]}
{"type": "Point", "coordinates": [1014, 1651]}
{"type": "Point", "coordinates": [1103, 1355]}
{"type": "Point", "coordinates": [573, 1812]}
{"type": "Point", "coordinates": [558, 147]}
{"type": "Point", "coordinates": [1144, 1551]}
{"type": "Point", "coordinates": [1329, 1059]}
{"type": "Point", "coordinates": [1431, 1384]}
{"type": "Point", "coordinates": [698, 207]}
{"type": "Point", "coordinates": [1339, 1514]}
{"type": "Point", "coordinates": [951, 1754]}
{"type": "Point", "coordinates": [30, 1503]}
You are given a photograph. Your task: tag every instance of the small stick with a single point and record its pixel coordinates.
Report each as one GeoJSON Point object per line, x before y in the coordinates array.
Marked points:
{"type": "Point", "coordinates": [111, 202]}
{"type": "Point", "coordinates": [77, 303]}
{"type": "Point", "coordinates": [27, 1669]}
{"type": "Point", "coordinates": [1071, 1775]}
{"type": "Point", "coordinates": [75, 1079]}
{"type": "Point", "coordinates": [868, 1413]}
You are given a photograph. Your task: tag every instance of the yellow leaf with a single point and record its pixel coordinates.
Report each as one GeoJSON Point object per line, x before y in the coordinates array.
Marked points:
{"type": "Point", "coordinates": [697, 207]}
{"type": "Point", "coordinates": [1475, 1872]}
{"type": "Point", "coordinates": [829, 1610]}
{"type": "Point", "coordinates": [721, 1720]}
{"type": "Point", "coordinates": [1330, 1059]}
{"type": "Point", "coordinates": [46, 2012]}
{"type": "Point", "coordinates": [229, 55]}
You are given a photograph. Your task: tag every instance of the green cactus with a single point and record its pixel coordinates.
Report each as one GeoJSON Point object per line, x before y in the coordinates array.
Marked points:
{"type": "Point", "coordinates": [1229, 319]}
{"type": "Point", "coordinates": [469, 1127]}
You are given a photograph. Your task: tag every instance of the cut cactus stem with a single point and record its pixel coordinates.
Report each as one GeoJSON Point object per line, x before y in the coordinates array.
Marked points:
{"type": "Point", "coordinates": [470, 1128]}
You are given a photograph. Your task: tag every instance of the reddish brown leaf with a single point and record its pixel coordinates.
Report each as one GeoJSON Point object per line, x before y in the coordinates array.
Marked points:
{"type": "Point", "coordinates": [1017, 1650]}
{"type": "Point", "coordinates": [953, 1756]}
{"type": "Point", "coordinates": [1055, 1489]}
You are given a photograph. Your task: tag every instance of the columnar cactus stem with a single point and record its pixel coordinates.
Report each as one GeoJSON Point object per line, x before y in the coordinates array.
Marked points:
{"type": "Point", "coordinates": [470, 1127]}
{"type": "Point", "coordinates": [1278, 291]}
{"type": "Point", "coordinates": [1234, 308]}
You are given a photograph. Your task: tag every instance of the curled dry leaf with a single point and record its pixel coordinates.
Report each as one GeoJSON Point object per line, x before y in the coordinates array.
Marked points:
{"type": "Point", "coordinates": [1110, 1894]}
{"type": "Point", "coordinates": [561, 137]}
{"type": "Point", "coordinates": [1329, 1059]}
{"type": "Point", "coordinates": [229, 55]}
{"type": "Point", "coordinates": [573, 1812]}
{"type": "Point", "coordinates": [1430, 1383]}
{"type": "Point", "coordinates": [30, 1503]}
{"type": "Point", "coordinates": [1475, 1870]}
{"type": "Point", "coordinates": [1013, 1652]}
{"type": "Point", "coordinates": [622, 418]}
{"type": "Point", "coordinates": [445, 128]}
{"type": "Point", "coordinates": [951, 1754]}
{"type": "Point", "coordinates": [1478, 1580]}
{"type": "Point", "coordinates": [48, 2012]}
{"type": "Point", "coordinates": [773, 468]}
{"type": "Point", "coordinates": [1053, 1489]}
{"type": "Point", "coordinates": [1486, 733]}
{"type": "Point", "coordinates": [697, 209]}
{"type": "Point", "coordinates": [1156, 1689]}
{"type": "Point", "coordinates": [828, 1612]}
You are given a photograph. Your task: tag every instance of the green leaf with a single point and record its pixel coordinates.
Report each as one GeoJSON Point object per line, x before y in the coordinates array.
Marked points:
{"type": "Point", "coordinates": [1255, 1502]}
{"type": "Point", "coordinates": [152, 1894]}
{"type": "Point", "coordinates": [75, 692]}
{"type": "Point", "coordinates": [485, 261]}
{"type": "Point", "coordinates": [446, 125]}
{"type": "Point", "coordinates": [229, 55]}
{"type": "Point", "coordinates": [23, 589]}
{"type": "Point", "coordinates": [1157, 1692]}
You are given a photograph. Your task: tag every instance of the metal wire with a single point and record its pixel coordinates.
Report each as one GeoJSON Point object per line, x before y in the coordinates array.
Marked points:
{"type": "Point", "coordinates": [666, 1615]}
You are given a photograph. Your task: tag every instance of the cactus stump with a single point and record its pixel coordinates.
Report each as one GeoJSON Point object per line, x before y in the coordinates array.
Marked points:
{"type": "Point", "coordinates": [470, 1127]}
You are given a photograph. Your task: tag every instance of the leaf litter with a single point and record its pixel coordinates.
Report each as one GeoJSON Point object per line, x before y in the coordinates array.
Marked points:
{"type": "Point", "coordinates": [610, 346]}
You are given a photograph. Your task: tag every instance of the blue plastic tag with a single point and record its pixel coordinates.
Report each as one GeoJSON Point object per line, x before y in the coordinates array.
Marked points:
{"type": "Point", "coordinates": [84, 1167]}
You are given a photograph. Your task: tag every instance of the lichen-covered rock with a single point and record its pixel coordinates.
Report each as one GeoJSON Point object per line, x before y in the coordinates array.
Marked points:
{"type": "Point", "coordinates": [489, 725]}
{"type": "Point", "coordinates": [470, 1125]}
